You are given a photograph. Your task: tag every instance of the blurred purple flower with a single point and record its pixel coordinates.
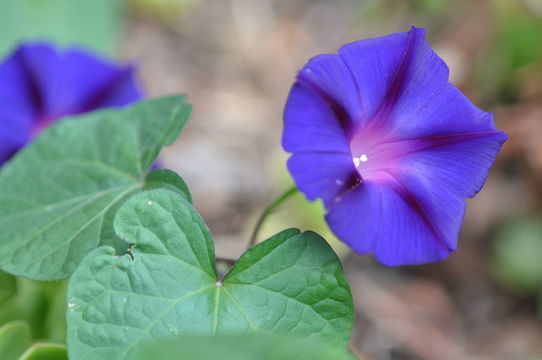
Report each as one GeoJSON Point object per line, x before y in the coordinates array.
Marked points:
{"type": "Point", "coordinates": [40, 84]}
{"type": "Point", "coordinates": [390, 146]}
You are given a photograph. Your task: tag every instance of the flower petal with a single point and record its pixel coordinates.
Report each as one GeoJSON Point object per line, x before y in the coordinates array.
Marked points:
{"type": "Point", "coordinates": [17, 108]}
{"type": "Point", "coordinates": [422, 147]}
{"type": "Point", "coordinates": [456, 164]}
{"type": "Point", "coordinates": [419, 228]}
{"type": "Point", "coordinates": [317, 119]}
{"type": "Point", "coordinates": [74, 81]}
{"type": "Point", "coordinates": [16, 93]}
{"type": "Point", "coordinates": [11, 143]}
{"type": "Point", "coordinates": [310, 123]}
{"type": "Point", "coordinates": [406, 87]}
{"type": "Point", "coordinates": [386, 220]}
{"type": "Point", "coordinates": [39, 84]}
{"type": "Point", "coordinates": [330, 77]}
{"type": "Point", "coordinates": [414, 215]}
{"type": "Point", "coordinates": [122, 91]}
{"type": "Point", "coordinates": [357, 217]}
{"type": "Point", "coordinates": [375, 65]}
{"type": "Point", "coordinates": [322, 175]}
{"type": "Point", "coordinates": [426, 103]}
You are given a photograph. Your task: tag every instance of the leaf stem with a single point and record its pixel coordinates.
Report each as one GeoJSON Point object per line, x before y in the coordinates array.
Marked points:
{"type": "Point", "coordinates": [268, 211]}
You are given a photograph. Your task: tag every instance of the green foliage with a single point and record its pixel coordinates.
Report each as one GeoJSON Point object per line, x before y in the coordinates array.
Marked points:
{"type": "Point", "coordinates": [25, 302]}
{"type": "Point", "coordinates": [8, 286]}
{"type": "Point", "coordinates": [515, 47]}
{"type": "Point", "coordinates": [166, 284]}
{"type": "Point", "coordinates": [59, 195]}
{"type": "Point", "coordinates": [92, 24]}
{"type": "Point", "coordinates": [54, 318]}
{"type": "Point", "coordinates": [258, 346]}
{"type": "Point", "coordinates": [515, 260]}
{"type": "Point", "coordinates": [14, 339]}
{"type": "Point", "coordinates": [41, 305]}
{"type": "Point", "coordinates": [15, 345]}
{"type": "Point", "coordinates": [432, 7]}
{"type": "Point", "coordinates": [43, 351]}
{"type": "Point", "coordinates": [81, 198]}
{"type": "Point", "coordinates": [168, 10]}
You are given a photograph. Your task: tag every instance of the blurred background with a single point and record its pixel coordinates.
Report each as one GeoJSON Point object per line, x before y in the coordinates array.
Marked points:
{"type": "Point", "coordinates": [236, 60]}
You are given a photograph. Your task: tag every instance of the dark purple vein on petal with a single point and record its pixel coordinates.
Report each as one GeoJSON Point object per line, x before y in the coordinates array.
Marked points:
{"type": "Point", "coordinates": [431, 142]}
{"type": "Point", "coordinates": [32, 82]}
{"type": "Point", "coordinates": [413, 202]}
{"type": "Point", "coordinates": [358, 90]}
{"type": "Point", "coordinates": [398, 82]}
{"type": "Point", "coordinates": [107, 90]}
{"type": "Point", "coordinates": [338, 109]}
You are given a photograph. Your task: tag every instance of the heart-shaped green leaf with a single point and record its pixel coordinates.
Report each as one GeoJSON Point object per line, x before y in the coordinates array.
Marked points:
{"type": "Point", "coordinates": [59, 195]}
{"type": "Point", "coordinates": [167, 285]}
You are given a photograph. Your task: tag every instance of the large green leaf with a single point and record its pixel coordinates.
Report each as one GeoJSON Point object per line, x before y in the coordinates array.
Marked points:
{"type": "Point", "coordinates": [167, 285]}
{"type": "Point", "coordinates": [59, 195]}
{"type": "Point", "coordinates": [14, 339]}
{"type": "Point", "coordinates": [257, 346]}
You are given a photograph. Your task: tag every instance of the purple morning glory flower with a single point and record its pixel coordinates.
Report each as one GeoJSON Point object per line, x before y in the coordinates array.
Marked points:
{"type": "Point", "coordinates": [40, 84]}
{"type": "Point", "coordinates": [389, 145]}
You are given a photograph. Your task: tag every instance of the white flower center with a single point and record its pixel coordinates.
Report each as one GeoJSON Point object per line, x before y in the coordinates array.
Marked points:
{"type": "Point", "coordinates": [360, 159]}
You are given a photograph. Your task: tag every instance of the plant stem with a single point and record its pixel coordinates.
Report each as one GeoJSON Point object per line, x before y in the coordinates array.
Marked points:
{"type": "Point", "coordinates": [268, 211]}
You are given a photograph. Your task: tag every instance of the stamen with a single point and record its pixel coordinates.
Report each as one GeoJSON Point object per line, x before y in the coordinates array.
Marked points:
{"type": "Point", "coordinates": [362, 158]}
